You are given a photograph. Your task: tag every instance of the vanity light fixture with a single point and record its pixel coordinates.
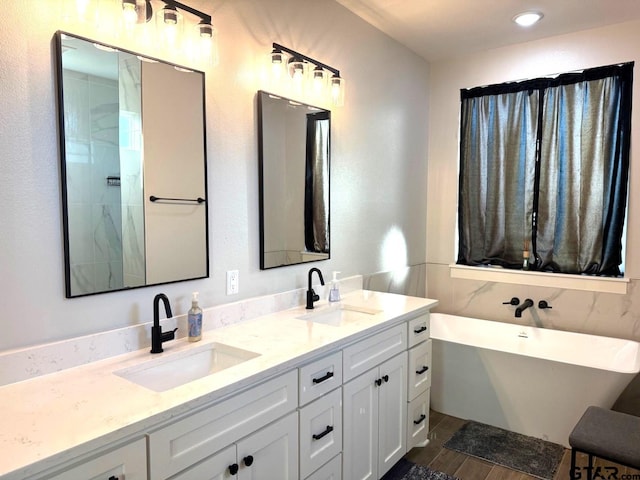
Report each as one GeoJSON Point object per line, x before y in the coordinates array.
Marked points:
{"type": "Point", "coordinates": [305, 71]}
{"type": "Point", "coordinates": [526, 19]}
{"type": "Point", "coordinates": [169, 21]}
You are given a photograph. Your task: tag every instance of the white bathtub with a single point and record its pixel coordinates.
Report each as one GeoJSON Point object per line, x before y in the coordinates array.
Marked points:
{"type": "Point", "coordinates": [529, 380]}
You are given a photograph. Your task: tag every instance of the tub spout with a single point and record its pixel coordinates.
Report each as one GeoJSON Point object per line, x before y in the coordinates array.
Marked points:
{"type": "Point", "coordinates": [523, 306]}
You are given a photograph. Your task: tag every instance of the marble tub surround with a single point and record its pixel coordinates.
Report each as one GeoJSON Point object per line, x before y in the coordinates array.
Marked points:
{"type": "Point", "coordinates": [602, 314]}
{"type": "Point", "coordinates": [25, 363]}
{"type": "Point", "coordinates": [409, 280]}
{"type": "Point", "coordinates": [52, 419]}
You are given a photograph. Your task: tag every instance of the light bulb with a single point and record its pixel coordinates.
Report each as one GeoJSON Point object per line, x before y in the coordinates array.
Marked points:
{"type": "Point", "coordinates": [318, 80]}
{"type": "Point", "coordinates": [527, 19]}
{"type": "Point", "coordinates": [82, 5]}
{"type": "Point", "coordinates": [129, 12]}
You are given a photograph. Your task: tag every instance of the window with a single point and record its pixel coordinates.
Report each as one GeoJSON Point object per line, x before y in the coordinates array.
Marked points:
{"type": "Point", "coordinates": [544, 172]}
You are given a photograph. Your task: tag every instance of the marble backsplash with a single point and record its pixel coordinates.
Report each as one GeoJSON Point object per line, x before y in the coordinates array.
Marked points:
{"type": "Point", "coordinates": [22, 364]}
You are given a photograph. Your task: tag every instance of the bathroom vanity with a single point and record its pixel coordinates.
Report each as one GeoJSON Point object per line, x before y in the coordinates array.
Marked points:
{"type": "Point", "coordinates": [341, 391]}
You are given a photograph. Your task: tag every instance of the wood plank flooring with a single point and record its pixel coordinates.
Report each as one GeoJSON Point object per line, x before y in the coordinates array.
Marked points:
{"type": "Point", "coordinates": [466, 467]}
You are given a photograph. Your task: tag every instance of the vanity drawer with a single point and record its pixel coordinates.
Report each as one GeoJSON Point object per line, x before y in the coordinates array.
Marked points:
{"type": "Point", "coordinates": [320, 432]}
{"type": "Point", "coordinates": [329, 471]}
{"type": "Point", "coordinates": [372, 351]}
{"type": "Point", "coordinates": [183, 443]}
{"type": "Point", "coordinates": [419, 369]}
{"type": "Point", "coordinates": [419, 329]}
{"type": "Point", "coordinates": [320, 377]}
{"type": "Point", "coordinates": [418, 421]}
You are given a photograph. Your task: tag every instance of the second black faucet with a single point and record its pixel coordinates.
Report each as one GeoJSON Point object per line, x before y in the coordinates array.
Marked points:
{"type": "Point", "coordinates": [311, 294]}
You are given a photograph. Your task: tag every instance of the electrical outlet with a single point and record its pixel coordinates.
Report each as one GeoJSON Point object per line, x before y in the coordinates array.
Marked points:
{"type": "Point", "coordinates": [233, 282]}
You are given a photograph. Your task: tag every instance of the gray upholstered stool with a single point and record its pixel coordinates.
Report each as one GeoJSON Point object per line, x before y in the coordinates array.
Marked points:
{"type": "Point", "coordinates": [610, 435]}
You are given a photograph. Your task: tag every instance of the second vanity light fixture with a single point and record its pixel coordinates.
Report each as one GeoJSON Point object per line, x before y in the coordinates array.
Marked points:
{"type": "Point", "coordinates": [308, 74]}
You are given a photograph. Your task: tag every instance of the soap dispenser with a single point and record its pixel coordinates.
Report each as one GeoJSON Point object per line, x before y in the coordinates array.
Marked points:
{"type": "Point", "coordinates": [195, 319]}
{"type": "Point", "coordinates": [334, 293]}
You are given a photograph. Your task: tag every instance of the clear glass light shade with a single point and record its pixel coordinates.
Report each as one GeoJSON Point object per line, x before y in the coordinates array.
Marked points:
{"type": "Point", "coordinates": [129, 13]}
{"type": "Point", "coordinates": [319, 81]}
{"type": "Point", "coordinates": [337, 90]}
{"type": "Point", "coordinates": [277, 61]}
{"type": "Point", "coordinates": [169, 25]}
{"type": "Point", "coordinates": [207, 43]}
{"type": "Point", "coordinates": [81, 7]}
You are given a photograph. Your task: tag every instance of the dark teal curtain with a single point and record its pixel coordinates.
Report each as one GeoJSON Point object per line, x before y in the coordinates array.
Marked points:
{"type": "Point", "coordinates": [544, 167]}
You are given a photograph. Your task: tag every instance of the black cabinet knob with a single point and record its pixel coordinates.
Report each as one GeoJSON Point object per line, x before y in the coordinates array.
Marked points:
{"type": "Point", "coordinates": [378, 382]}
{"type": "Point", "coordinates": [248, 460]}
{"type": "Point", "coordinates": [233, 469]}
{"type": "Point", "coordinates": [385, 378]}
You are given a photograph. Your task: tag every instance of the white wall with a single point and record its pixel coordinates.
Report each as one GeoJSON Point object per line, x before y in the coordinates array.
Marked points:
{"type": "Point", "coordinates": [378, 165]}
{"type": "Point", "coordinates": [604, 314]}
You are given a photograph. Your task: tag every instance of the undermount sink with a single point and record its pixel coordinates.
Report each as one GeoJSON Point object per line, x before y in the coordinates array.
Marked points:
{"type": "Point", "coordinates": [340, 314]}
{"type": "Point", "coordinates": [180, 368]}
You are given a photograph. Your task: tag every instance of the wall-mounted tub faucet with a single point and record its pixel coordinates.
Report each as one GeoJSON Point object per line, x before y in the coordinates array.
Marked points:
{"type": "Point", "coordinates": [157, 336]}
{"type": "Point", "coordinates": [523, 306]}
{"type": "Point", "coordinates": [311, 295]}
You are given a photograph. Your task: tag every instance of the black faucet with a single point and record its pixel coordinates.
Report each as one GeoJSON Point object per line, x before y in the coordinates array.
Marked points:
{"type": "Point", "coordinates": [311, 295]}
{"type": "Point", "coordinates": [157, 336]}
{"type": "Point", "coordinates": [523, 306]}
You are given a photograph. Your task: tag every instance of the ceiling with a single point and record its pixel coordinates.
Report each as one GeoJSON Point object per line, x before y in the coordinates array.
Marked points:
{"type": "Point", "coordinates": [439, 29]}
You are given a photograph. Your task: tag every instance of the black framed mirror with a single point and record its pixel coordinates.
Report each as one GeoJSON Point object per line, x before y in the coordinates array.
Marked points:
{"type": "Point", "coordinates": [294, 166]}
{"type": "Point", "coordinates": [133, 168]}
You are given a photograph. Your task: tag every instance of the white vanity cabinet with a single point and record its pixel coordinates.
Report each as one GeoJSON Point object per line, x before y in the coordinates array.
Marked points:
{"type": "Point", "coordinates": [181, 445]}
{"type": "Point", "coordinates": [419, 382]}
{"type": "Point", "coordinates": [127, 462]}
{"type": "Point", "coordinates": [375, 404]}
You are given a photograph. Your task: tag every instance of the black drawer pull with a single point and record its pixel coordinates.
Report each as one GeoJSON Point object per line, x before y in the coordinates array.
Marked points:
{"type": "Point", "coordinates": [420, 420]}
{"type": "Point", "coordinates": [233, 469]}
{"type": "Point", "coordinates": [323, 379]}
{"type": "Point", "coordinates": [385, 378]}
{"type": "Point", "coordinates": [422, 370]}
{"type": "Point", "coordinates": [248, 460]}
{"type": "Point", "coordinates": [327, 431]}
{"type": "Point", "coordinates": [420, 330]}
{"type": "Point", "coordinates": [378, 382]}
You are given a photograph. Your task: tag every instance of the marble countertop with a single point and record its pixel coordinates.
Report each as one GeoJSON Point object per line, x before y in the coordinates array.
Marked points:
{"type": "Point", "coordinates": [54, 418]}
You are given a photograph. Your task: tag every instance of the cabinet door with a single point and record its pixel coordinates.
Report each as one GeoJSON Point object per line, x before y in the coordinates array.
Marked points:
{"type": "Point", "coordinates": [216, 467]}
{"type": "Point", "coordinates": [129, 461]}
{"type": "Point", "coordinates": [360, 422]}
{"type": "Point", "coordinates": [392, 415]}
{"type": "Point", "coordinates": [270, 453]}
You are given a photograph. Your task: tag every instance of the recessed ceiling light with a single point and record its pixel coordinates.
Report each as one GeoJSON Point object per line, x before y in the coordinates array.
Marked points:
{"type": "Point", "coordinates": [527, 19]}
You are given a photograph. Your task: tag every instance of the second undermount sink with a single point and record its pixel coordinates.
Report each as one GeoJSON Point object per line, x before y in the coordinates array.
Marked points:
{"type": "Point", "coordinates": [339, 314]}
{"type": "Point", "coordinates": [176, 369]}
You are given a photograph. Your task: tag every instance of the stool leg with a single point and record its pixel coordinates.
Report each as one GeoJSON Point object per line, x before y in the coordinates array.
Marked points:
{"type": "Point", "coordinates": [590, 471]}
{"type": "Point", "coordinates": [572, 472]}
